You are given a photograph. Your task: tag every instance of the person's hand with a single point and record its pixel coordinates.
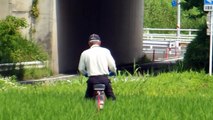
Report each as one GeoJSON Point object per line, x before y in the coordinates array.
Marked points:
{"type": "Point", "coordinates": [112, 73]}
{"type": "Point", "coordinates": [86, 74]}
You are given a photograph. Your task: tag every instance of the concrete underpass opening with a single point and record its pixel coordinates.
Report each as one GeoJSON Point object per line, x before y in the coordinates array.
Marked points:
{"type": "Point", "coordinates": [119, 24]}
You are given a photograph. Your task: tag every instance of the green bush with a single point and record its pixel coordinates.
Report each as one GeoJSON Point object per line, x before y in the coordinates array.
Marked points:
{"type": "Point", "coordinates": [197, 52]}
{"type": "Point", "coordinates": [8, 83]}
{"type": "Point", "coordinates": [13, 46]}
{"type": "Point", "coordinates": [36, 73]}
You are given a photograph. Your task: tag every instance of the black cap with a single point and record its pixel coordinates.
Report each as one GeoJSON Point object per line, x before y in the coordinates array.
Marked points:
{"type": "Point", "coordinates": [94, 37]}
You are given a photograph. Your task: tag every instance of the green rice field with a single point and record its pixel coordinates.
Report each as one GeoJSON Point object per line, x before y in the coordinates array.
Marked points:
{"type": "Point", "coordinates": [167, 96]}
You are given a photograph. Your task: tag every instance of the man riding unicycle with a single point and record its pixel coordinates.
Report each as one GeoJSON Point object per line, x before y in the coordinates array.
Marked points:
{"type": "Point", "coordinates": [97, 62]}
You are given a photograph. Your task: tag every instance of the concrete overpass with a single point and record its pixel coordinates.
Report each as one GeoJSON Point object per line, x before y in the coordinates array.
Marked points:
{"type": "Point", "coordinates": [70, 22]}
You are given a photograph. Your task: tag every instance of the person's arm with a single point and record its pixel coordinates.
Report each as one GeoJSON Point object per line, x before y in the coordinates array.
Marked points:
{"type": "Point", "coordinates": [111, 63]}
{"type": "Point", "coordinates": [81, 65]}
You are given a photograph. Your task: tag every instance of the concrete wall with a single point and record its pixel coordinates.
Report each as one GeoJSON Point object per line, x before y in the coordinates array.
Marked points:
{"type": "Point", "coordinates": [44, 23]}
{"type": "Point", "coordinates": [4, 8]}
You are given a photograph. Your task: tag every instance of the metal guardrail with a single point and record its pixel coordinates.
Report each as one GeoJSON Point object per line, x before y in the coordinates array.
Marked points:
{"type": "Point", "coordinates": [166, 30]}
{"type": "Point", "coordinates": [166, 34]}
{"type": "Point", "coordinates": [164, 37]}
{"type": "Point", "coordinates": [20, 65]}
{"type": "Point", "coordinates": [163, 43]}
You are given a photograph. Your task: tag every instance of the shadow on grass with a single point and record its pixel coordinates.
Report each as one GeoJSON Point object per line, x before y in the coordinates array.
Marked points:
{"type": "Point", "coordinates": [13, 70]}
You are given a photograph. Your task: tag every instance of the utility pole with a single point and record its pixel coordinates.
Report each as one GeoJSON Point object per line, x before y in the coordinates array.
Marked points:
{"type": "Point", "coordinates": [208, 6]}
{"type": "Point", "coordinates": [178, 23]}
{"type": "Point", "coordinates": [210, 54]}
{"type": "Point", "coordinates": [178, 17]}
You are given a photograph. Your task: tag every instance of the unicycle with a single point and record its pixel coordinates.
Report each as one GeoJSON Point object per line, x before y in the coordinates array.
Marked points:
{"type": "Point", "coordinates": [99, 95]}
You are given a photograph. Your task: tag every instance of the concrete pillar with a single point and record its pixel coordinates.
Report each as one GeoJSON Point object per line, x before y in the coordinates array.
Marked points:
{"type": "Point", "coordinates": [54, 43]}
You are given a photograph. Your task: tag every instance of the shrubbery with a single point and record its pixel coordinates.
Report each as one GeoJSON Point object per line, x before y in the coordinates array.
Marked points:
{"type": "Point", "coordinates": [13, 46]}
{"type": "Point", "coordinates": [197, 52]}
{"type": "Point", "coordinates": [9, 83]}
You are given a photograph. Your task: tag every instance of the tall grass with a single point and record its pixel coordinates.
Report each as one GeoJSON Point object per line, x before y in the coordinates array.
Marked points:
{"type": "Point", "coordinates": [168, 96]}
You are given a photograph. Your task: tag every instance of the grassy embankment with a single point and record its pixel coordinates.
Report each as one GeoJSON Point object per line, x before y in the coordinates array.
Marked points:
{"type": "Point", "coordinates": [168, 96]}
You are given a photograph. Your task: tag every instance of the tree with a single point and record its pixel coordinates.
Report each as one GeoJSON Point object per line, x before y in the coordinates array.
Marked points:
{"type": "Point", "coordinates": [194, 4]}
{"type": "Point", "coordinates": [197, 53]}
{"type": "Point", "coordinates": [161, 14]}
{"type": "Point", "coordinates": [189, 4]}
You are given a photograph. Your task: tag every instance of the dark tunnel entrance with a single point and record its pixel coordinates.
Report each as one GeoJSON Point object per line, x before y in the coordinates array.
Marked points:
{"type": "Point", "coordinates": [119, 24]}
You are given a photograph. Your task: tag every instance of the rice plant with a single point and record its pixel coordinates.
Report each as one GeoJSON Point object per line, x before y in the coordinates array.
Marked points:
{"type": "Point", "coordinates": [168, 96]}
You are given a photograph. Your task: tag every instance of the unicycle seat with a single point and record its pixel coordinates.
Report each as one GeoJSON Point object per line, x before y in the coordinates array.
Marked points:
{"type": "Point", "coordinates": [99, 87]}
